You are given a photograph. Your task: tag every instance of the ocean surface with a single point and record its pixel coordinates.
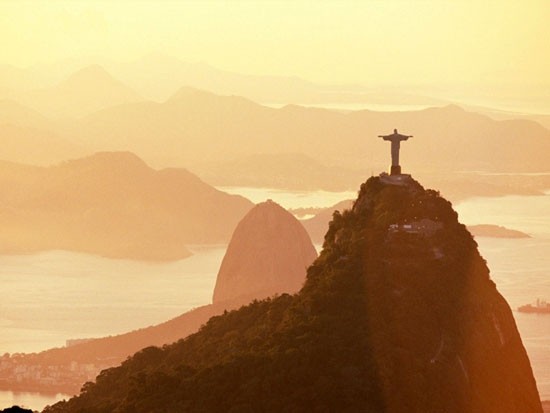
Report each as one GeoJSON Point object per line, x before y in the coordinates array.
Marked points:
{"type": "Point", "coordinates": [58, 295]}
{"type": "Point", "coordinates": [53, 296]}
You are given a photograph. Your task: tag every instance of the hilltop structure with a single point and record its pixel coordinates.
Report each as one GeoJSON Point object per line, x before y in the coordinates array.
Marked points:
{"type": "Point", "coordinates": [395, 138]}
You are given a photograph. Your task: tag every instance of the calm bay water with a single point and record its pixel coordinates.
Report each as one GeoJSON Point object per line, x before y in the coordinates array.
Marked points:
{"type": "Point", "coordinates": [50, 297]}
{"type": "Point", "coordinates": [54, 296]}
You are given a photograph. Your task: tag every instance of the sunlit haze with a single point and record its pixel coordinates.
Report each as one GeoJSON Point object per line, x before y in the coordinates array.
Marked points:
{"type": "Point", "coordinates": [263, 206]}
{"type": "Point", "coordinates": [498, 45]}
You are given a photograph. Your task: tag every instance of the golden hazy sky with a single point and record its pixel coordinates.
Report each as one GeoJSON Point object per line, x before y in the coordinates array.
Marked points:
{"type": "Point", "coordinates": [368, 41]}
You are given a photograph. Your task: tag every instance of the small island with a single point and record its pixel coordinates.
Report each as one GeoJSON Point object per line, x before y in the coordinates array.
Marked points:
{"type": "Point", "coordinates": [495, 231]}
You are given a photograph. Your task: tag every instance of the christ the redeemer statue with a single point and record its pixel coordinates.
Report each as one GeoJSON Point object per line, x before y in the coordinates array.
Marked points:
{"type": "Point", "coordinates": [395, 139]}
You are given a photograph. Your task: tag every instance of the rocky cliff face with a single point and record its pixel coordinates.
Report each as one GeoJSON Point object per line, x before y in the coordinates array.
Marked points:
{"type": "Point", "coordinates": [268, 254]}
{"type": "Point", "coordinates": [398, 314]}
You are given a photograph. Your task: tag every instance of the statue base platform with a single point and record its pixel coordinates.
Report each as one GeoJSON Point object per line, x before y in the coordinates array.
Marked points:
{"type": "Point", "coordinates": [395, 170]}
{"type": "Point", "coordinates": [401, 179]}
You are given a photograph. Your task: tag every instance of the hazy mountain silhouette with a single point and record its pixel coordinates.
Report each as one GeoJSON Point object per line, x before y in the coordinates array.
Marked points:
{"type": "Point", "coordinates": [14, 80]}
{"type": "Point", "coordinates": [230, 131]}
{"type": "Point", "coordinates": [268, 241]}
{"type": "Point", "coordinates": [497, 114]}
{"type": "Point", "coordinates": [29, 145]}
{"type": "Point", "coordinates": [29, 137]}
{"type": "Point", "coordinates": [229, 127]}
{"type": "Point", "coordinates": [268, 255]}
{"type": "Point", "coordinates": [114, 205]}
{"type": "Point", "coordinates": [12, 112]}
{"type": "Point", "coordinates": [392, 318]}
{"type": "Point", "coordinates": [158, 76]}
{"type": "Point", "coordinates": [284, 170]}
{"type": "Point", "coordinates": [85, 91]}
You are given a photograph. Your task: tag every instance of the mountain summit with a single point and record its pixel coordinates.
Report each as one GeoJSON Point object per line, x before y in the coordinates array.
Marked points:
{"type": "Point", "coordinates": [269, 242]}
{"type": "Point", "coordinates": [88, 90]}
{"type": "Point", "coordinates": [398, 314]}
{"type": "Point", "coordinates": [95, 77]}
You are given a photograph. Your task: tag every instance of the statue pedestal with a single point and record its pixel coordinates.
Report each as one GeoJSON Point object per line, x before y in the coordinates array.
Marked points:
{"type": "Point", "coordinates": [395, 170]}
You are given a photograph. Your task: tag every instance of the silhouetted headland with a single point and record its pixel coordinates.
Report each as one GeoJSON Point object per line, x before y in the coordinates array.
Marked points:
{"type": "Point", "coordinates": [112, 204]}
{"type": "Point", "coordinates": [398, 314]}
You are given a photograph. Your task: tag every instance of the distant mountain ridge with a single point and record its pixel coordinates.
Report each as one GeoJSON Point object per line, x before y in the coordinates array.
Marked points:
{"type": "Point", "coordinates": [293, 171]}
{"type": "Point", "coordinates": [35, 146]}
{"type": "Point", "coordinates": [207, 132]}
{"type": "Point", "coordinates": [225, 127]}
{"type": "Point", "coordinates": [112, 204]}
{"type": "Point", "coordinates": [85, 91]}
{"type": "Point", "coordinates": [157, 76]}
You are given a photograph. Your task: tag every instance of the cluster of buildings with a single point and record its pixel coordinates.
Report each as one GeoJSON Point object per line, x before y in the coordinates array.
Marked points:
{"type": "Point", "coordinates": [66, 378]}
{"type": "Point", "coordinates": [425, 227]}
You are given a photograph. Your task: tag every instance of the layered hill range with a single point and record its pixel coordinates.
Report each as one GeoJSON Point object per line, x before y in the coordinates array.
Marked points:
{"type": "Point", "coordinates": [85, 91]}
{"type": "Point", "coordinates": [225, 127]}
{"type": "Point", "coordinates": [156, 76]}
{"type": "Point", "coordinates": [112, 204]}
{"type": "Point", "coordinates": [268, 254]}
{"type": "Point", "coordinates": [398, 314]}
{"type": "Point", "coordinates": [101, 113]}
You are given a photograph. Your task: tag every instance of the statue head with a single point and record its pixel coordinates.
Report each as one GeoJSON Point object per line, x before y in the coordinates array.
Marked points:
{"type": "Point", "coordinates": [395, 131]}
